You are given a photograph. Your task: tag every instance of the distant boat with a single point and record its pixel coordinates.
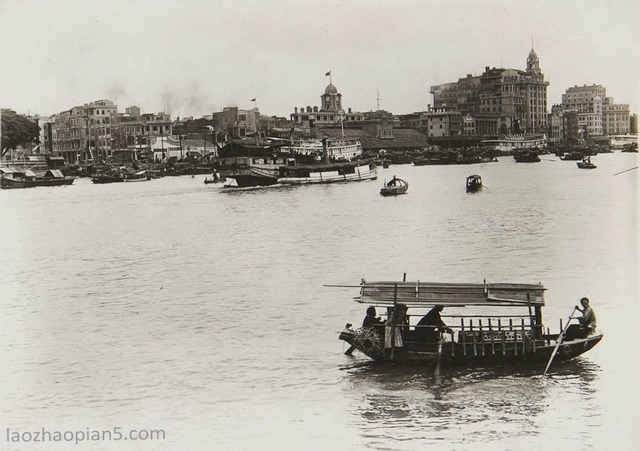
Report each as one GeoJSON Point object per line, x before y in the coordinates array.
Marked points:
{"type": "Point", "coordinates": [526, 156]}
{"type": "Point", "coordinates": [586, 164]}
{"type": "Point", "coordinates": [474, 183]}
{"type": "Point", "coordinates": [394, 187]}
{"type": "Point", "coordinates": [120, 175]}
{"type": "Point", "coordinates": [26, 178]}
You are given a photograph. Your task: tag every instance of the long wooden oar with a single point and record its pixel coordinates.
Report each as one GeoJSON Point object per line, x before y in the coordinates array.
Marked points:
{"type": "Point", "coordinates": [626, 171]}
{"type": "Point", "coordinates": [560, 337]}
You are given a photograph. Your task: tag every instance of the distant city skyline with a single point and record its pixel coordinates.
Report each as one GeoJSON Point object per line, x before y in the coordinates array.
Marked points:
{"type": "Point", "coordinates": [194, 58]}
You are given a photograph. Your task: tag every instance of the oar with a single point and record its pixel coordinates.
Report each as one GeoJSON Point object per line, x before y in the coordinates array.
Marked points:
{"type": "Point", "coordinates": [626, 171]}
{"type": "Point", "coordinates": [350, 350]}
{"type": "Point", "coordinates": [560, 337]}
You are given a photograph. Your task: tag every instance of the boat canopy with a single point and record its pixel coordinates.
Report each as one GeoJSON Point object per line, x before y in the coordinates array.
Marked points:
{"type": "Point", "coordinates": [427, 294]}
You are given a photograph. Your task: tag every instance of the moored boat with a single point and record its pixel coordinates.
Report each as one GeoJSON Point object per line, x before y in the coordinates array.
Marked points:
{"type": "Point", "coordinates": [118, 175]}
{"type": "Point", "coordinates": [487, 324]}
{"type": "Point", "coordinates": [26, 178]}
{"type": "Point", "coordinates": [474, 183]}
{"type": "Point", "coordinates": [394, 187]}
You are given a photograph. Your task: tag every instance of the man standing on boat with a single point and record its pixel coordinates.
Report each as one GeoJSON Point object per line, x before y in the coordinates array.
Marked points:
{"type": "Point", "coordinates": [431, 325]}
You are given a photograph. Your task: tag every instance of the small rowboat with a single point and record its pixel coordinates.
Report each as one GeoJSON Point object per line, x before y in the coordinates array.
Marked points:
{"type": "Point", "coordinates": [394, 187]}
{"type": "Point", "coordinates": [474, 183]}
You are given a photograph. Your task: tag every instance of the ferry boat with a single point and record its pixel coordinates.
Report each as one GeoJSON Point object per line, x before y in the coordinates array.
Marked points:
{"type": "Point", "coordinates": [347, 171]}
{"type": "Point", "coordinates": [620, 141]}
{"type": "Point", "coordinates": [339, 149]}
{"type": "Point", "coordinates": [510, 143]}
{"type": "Point", "coordinates": [253, 164]}
{"type": "Point", "coordinates": [486, 324]}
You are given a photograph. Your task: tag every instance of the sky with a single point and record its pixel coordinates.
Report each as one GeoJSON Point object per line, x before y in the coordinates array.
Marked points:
{"type": "Point", "coordinates": [195, 57]}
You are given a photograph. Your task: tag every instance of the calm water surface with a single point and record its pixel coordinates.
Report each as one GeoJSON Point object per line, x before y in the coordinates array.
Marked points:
{"type": "Point", "coordinates": [174, 305]}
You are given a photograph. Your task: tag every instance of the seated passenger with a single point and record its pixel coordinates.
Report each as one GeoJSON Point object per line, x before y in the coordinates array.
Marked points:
{"type": "Point", "coordinates": [431, 325]}
{"type": "Point", "coordinates": [371, 319]}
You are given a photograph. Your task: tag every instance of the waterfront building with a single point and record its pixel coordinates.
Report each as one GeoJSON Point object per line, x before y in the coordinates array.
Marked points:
{"type": "Point", "coordinates": [582, 98]}
{"type": "Point", "coordinates": [133, 129]}
{"type": "Point", "coordinates": [330, 112]}
{"type": "Point", "coordinates": [91, 132]}
{"type": "Point", "coordinates": [499, 101]}
{"type": "Point", "coordinates": [615, 118]}
{"type": "Point", "coordinates": [597, 115]}
{"type": "Point", "coordinates": [443, 121]}
{"type": "Point", "coordinates": [236, 122]}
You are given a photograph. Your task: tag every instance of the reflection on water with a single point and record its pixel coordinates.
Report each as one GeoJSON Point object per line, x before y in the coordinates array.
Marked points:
{"type": "Point", "coordinates": [489, 404]}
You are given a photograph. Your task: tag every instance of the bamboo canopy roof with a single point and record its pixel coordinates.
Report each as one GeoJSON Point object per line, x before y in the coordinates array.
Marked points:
{"type": "Point", "coordinates": [427, 294]}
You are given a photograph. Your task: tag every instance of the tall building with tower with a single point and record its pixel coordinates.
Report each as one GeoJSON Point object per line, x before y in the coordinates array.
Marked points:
{"type": "Point", "coordinates": [500, 101]}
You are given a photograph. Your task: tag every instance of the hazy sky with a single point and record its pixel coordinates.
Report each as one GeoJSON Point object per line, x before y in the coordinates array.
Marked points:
{"type": "Point", "coordinates": [194, 57]}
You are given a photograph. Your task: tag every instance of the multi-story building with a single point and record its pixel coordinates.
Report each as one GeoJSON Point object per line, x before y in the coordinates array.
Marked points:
{"type": "Point", "coordinates": [500, 101]}
{"type": "Point", "coordinates": [597, 114]}
{"type": "Point", "coordinates": [582, 98]}
{"type": "Point", "coordinates": [443, 121]}
{"type": "Point", "coordinates": [135, 129]}
{"type": "Point", "coordinates": [330, 112]}
{"type": "Point", "coordinates": [615, 118]}
{"type": "Point", "coordinates": [92, 131]}
{"type": "Point", "coordinates": [236, 122]}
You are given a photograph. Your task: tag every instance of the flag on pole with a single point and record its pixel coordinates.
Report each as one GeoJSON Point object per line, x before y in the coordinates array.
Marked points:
{"type": "Point", "coordinates": [327, 74]}
{"type": "Point", "coordinates": [253, 100]}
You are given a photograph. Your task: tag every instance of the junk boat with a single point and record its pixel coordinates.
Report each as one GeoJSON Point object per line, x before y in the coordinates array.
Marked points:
{"type": "Point", "coordinates": [394, 187]}
{"type": "Point", "coordinates": [250, 164]}
{"type": "Point", "coordinates": [486, 324]}
{"type": "Point", "coordinates": [474, 183]}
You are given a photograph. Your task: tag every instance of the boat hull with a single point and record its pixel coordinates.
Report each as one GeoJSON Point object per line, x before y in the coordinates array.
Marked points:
{"type": "Point", "coordinates": [469, 354]}
{"type": "Point", "coordinates": [332, 175]}
{"type": "Point", "coordinates": [393, 190]}
{"type": "Point", "coordinates": [582, 165]}
{"type": "Point", "coordinates": [11, 183]}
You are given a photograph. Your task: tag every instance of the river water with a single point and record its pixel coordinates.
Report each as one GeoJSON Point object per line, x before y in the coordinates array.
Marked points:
{"type": "Point", "coordinates": [173, 305]}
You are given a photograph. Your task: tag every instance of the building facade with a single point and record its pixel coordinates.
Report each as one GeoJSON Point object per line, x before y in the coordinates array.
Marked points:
{"type": "Point", "coordinates": [500, 101]}
{"type": "Point", "coordinates": [330, 111]}
{"type": "Point", "coordinates": [91, 132]}
{"type": "Point", "coordinates": [596, 114]}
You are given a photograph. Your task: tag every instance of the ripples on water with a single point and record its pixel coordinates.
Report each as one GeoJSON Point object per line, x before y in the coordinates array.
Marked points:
{"type": "Point", "coordinates": [173, 304]}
